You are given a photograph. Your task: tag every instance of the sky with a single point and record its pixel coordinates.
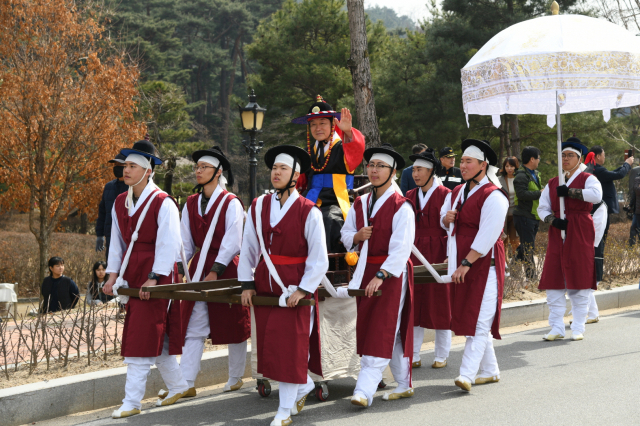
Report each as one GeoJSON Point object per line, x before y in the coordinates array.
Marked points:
{"type": "Point", "coordinates": [415, 9]}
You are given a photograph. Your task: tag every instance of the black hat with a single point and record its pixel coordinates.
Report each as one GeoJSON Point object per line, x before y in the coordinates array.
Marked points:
{"type": "Point", "coordinates": [446, 152]}
{"type": "Point", "coordinates": [144, 148]}
{"type": "Point", "coordinates": [428, 155]}
{"type": "Point", "coordinates": [118, 159]}
{"type": "Point", "coordinates": [320, 109]}
{"type": "Point", "coordinates": [490, 155]}
{"type": "Point", "coordinates": [300, 155]}
{"type": "Point", "coordinates": [215, 152]}
{"type": "Point", "coordinates": [385, 148]}
{"type": "Point", "coordinates": [575, 143]}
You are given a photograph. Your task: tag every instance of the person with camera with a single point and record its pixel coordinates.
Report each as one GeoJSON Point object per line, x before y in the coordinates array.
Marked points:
{"type": "Point", "coordinates": [609, 194]}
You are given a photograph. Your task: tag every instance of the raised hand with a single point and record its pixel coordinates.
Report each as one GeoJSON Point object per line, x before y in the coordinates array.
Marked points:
{"type": "Point", "coordinates": [345, 123]}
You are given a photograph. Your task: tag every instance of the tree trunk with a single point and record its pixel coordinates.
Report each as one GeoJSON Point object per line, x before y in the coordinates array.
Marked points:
{"type": "Point", "coordinates": [84, 223]}
{"type": "Point", "coordinates": [361, 74]}
{"type": "Point", "coordinates": [515, 135]}
{"type": "Point", "coordinates": [226, 119]}
{"type": "Point", "coordinates": [168, 177]}
{"type": "Point", "coordinates": [503, 137]}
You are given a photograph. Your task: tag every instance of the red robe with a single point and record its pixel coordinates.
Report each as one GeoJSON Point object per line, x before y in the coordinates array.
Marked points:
{"type": "Point", "coordinates": [228, 323]}
{"type": "Point", "coordinates": [146, 321]}
{"type": "Point", "coordinates": [378, 315]}
{"type": "Point", "coordinates": [468, 295]}
{"type": "Point", "coordinates": [286, 350]}
{"type": "Point", "coordinates": [572, 261]}
{"type": "Point", "coordinates": [432, 302]}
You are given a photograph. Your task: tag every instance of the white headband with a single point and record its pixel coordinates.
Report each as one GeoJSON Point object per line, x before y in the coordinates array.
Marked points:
{"type": "Point", "coordinates": [140, 160]}
{"type": "Point", "coordinates": [386, 158]}
{"type": "Point", "coordinates": [572, 150]}
{"type": "Point", "coordinates": [423, 163]}
{"type": "Point", "coordinates": [209, 159]}
{"type": "Point", "coordinates": [287, 160]}
{"type": "Point", "coordinates": [475, 152]}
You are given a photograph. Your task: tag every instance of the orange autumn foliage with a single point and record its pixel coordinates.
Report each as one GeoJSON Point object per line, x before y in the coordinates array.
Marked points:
{"type": "Point", "coordinates": [66, 107]}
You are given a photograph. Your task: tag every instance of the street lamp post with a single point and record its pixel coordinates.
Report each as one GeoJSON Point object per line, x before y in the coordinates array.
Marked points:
{"type": "Point", "coordinates": [252, 116]}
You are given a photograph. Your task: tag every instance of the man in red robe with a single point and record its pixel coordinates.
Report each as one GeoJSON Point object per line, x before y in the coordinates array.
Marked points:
{"type": "Point", "coordinates": [284, 243]}
{"type": "Point", "coordinates": [474, 214]}
{"type": "Point", "coordinates": [145, 243]}
{"type": "Point", "coordinates": [569, 266]}
{"type": "Point", "coordinates": [224, 324]}
{"type": "Point", "coordinates": [382, 225]}
{"type": "Point", "coordinates": [432, 302]}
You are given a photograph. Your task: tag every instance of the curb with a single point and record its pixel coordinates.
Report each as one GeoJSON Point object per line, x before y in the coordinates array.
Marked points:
{"type": "Point", "coordinates": [101, 389]}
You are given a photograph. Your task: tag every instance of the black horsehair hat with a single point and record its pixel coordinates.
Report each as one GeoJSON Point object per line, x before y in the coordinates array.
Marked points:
{"type": "Point", "coordinates": [484, 146]}
{"type": "Point", "coordinates": [300, 155]}
{"type": "Point", "coordinates": [144, 148]}
{"type": "Point", "coordinates": [215, 152]}
{"type": "Point", "coordinates": [385, 148]}
{"type": "Point", "coordinates": [319, 109]}
{"type": "Point", "coordinates": [428, 155]}
{"type": "Point", "coordinates": [575, 143]}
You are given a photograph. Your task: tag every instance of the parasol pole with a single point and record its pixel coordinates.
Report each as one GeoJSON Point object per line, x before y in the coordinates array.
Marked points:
{"type": "Point", "coordinates": [561, 180]}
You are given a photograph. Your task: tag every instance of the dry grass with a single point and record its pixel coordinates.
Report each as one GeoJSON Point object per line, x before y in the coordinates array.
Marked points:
{"type": "Point", "coordinates": [621, 264]}
{"type": "Point", "coordinates": [19, 255]}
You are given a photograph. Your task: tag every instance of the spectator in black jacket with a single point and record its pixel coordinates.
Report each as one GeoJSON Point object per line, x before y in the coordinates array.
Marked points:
{"type": "Point", "coordinates": [634, 232]}
{"type": "Point", "coordinates": [449, 175]}
{"type": "Point", "coordinates": [525, 216]}
{"type": "Point", "coordinates": [111, 190]}
{"type": "Point", "coordinates": [609, 196]}
{"type": "Point", "coordinates": [58, 292]}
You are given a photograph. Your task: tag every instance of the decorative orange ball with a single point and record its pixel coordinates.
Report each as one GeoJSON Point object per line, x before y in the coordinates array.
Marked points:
{"type": "Point", "coordinates": [351, 258]}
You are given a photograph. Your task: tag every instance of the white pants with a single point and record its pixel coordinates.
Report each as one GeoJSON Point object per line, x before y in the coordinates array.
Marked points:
{"type": "Point", "coordinates": [371, 367]}
{"type": "Point", "coordinates": [558, 305]}
{"type": "Point", "coordinates": [593, 312]}
{"type": "Point", "coordinates": [290, 393]}
{"type": "Point", "coordinates": [138, 368]}
{"type": "Point", "coordinates": [442, 344]}
{"type": "Point", "coordinates": [479, 357]}
{"type": "Point", "coordinates": [197, 332]}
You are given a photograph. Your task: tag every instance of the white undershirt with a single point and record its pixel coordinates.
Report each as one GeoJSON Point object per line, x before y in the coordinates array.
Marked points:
{"type": "Point", "coordinates": [425, 196]}
{"type": "Point", "coordinates": [403, 233]}
{"type": "Point", "coordinates": [232, 239]}
{"type": "Point", "coordinates": [167, 238]}
{"type": "Point", "coordinates": [492, 215]}
{"type": "Point", "coordinates": [317, 262]}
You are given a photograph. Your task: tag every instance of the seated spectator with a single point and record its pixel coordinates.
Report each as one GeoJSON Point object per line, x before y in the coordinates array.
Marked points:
{"type": "Point", "coordinates": [58, 292]}
{"type": "Point", "coordinates": [95, 295]}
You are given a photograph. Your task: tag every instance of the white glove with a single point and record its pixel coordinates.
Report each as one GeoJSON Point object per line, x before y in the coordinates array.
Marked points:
{"type": "Point", "coordinates": [284, 296]}
{"type": "Point", "coordinates": [120, 283]}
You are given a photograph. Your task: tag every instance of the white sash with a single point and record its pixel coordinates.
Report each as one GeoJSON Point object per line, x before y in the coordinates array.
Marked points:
{"type": "Point", "coordinates": [120, 282]}
{"type": "Point", "coordinates": [356, 279]}
{"type": "Point", "coordinates": [452, 247]}
{"type": "Point", "coordinates": [286, 292]}
{"type": "Point", "coordinates": [207, 242]}
{"type": "Point", "coordinates": [433, 272]}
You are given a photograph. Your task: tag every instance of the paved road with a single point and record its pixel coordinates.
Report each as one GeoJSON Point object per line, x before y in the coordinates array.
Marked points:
{"type": "Point", "coordinates": [592, 382]}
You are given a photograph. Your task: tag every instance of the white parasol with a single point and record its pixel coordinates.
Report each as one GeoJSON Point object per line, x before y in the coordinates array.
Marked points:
{"type": "Point", "coordinates": [552, 65]}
